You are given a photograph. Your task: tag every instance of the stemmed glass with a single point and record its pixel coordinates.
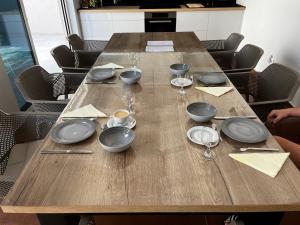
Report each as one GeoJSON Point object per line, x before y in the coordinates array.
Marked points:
{"type": "Point", "coordinates": [208, 142]}
{"type": "Point", "coordinates": [181, 82]}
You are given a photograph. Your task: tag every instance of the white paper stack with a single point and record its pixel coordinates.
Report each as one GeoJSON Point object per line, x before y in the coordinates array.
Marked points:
{"type": "Point", "coordinates": [160, 46]}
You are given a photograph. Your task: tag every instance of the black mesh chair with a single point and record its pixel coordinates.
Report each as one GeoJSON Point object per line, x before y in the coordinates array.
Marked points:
{"type": "Point", "coordinates": [273, 88]}
{"type": "Point", "coordinates": [20, 128]}
{"type": "Point", "coordinates": [78, 61]}
{"type": "Point", "coordinates": [42, 89]}
{"type": "Point", "coordinates": [77, 44]}
{"type": "Point", "coordinates": [244, 60]}
{"type": "Point", "coordinates": [230, 44]}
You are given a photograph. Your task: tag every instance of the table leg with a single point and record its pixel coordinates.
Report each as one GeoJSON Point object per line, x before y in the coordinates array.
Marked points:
{"type": "Point", "coordinates": [58, 219]}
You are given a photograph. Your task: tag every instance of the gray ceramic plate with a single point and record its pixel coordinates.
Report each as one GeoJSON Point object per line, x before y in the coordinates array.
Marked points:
{"type": "Point", "coordinates": [73, 131]}
{"type": "Point", "coordinates": [212, 78]}
{"type": "Point", "coordinates": [244, 130]}
{"type": "Point", "coordinates": [116, 139]}
{"type": "Point", "coordinates": [99, 74]}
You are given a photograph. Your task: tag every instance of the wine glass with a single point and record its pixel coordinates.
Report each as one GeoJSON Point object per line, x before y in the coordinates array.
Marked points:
{"type": "Point", "coordinates": [181, 81]}
{"type": "Point", "coordinates": [208, 141]}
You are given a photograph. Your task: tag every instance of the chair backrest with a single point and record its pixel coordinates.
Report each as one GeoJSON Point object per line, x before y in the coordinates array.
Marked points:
{"type": "Point", "coordinates": [63, 56]}
{"type": "Point", "coordinates": [233, 41]}
{"type": "Point", "coordinates": [248, 57]}
{"type": "Point", "coordinates": [277, 82]}
{"type": "Point", "coordinates": [33, 84]}
{"type": "Point", "coordinates": [75, 42]}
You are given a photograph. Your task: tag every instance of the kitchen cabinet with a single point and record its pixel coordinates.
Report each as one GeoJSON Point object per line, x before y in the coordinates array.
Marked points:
{"type": "Point", "coordinates": [210, 25]}
{"type": "Point", "coordinates": [207, 24]}
{"type": "Point", "coordinates": [101, 26]}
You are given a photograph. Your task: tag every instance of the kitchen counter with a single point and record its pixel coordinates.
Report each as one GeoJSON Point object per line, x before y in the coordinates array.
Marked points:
{"type": "Point", "coordinates": [182, 8]}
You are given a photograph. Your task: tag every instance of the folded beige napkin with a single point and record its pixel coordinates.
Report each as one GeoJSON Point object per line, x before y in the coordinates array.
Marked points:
{"type": "Point", "coordinates": [268, 163]}
{"type": "Point", "coordinates": [109, 65]}
{"type": "Point", "coordinates": [216, 91]}
{"type": "Point", "coordinates": [85, 111]}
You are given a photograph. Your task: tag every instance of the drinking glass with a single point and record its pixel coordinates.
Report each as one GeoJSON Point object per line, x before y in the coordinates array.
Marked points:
{"type": "Point", "coordinates": [132, 56]}
{"type": "Point", "coordinates": [128, 98]}
{"type": "Point", "coordinates": [208, 142]}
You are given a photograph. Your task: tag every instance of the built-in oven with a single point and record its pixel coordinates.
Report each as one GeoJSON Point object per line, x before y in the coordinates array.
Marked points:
{"type": "Point", "coordinates": [160, 21]}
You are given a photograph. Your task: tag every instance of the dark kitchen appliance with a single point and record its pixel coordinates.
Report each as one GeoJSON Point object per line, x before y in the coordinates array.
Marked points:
{"type": "Point", "coordinates": [160, 21]}
{"type": "Point", "coordinates": [220, 3]}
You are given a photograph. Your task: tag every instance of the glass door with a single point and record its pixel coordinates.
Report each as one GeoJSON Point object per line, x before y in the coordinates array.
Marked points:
{"type": "Point", "coordinates": [15, 48]}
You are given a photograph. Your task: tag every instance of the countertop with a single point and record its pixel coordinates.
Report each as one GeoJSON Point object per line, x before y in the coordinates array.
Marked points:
{"type": "Point", "coordinates": [182, 8]}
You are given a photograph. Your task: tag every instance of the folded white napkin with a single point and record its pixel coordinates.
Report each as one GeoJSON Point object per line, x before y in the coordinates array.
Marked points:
{"type": "Point", "coordinates": [267, 163]}
{"type": "Point", "coordinates": [85, 111]}
{"type": "Point", "coordinates": [108, 66]}
{"type": "Point", "coordinates": [216, 91]}
{"type": "Point", "coordinates": [160, 43]}
{"type": "Point", "coordinates": [162, 48]}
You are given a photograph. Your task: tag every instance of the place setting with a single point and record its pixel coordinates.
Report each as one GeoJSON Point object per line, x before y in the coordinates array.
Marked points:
{"type": "Point", "coordinates": [75, 127]}
{"type": "Point", "coordinates": [209, 137]}
{"type": "Point", "coordinates": [180, 76]}
{"type": "Point", "coordinates": [104, 74]}
{"type": "Point", "coordinates": [249, 133]}
{"type": "Point", "coordinates": [213, 83]}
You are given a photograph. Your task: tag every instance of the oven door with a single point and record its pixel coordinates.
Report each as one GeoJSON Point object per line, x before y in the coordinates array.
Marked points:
{"type": "Point", "coordinates": [160, 25]}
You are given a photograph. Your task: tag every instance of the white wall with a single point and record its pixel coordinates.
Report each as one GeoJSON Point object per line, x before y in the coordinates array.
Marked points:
{"type": "Point", "coordinates": [44, 17]}
{"type": "Point", "coordinates": [8, 101]}
{"type": "Point", "coordinates": [275, 27]}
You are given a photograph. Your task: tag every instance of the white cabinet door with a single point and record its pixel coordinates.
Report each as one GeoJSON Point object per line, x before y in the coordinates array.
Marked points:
{"type": "Point", "coordinates": [97, 30]}
{"type": "Point", "coordinates": [222, 23]}
{"type": "Point", "coordinates": [191, 21]}
{"type": "Point", "coordinates": [127, 16]}
{"type": "Point", "coordinates": [128, 22]}
{"type": "Point", "coordinates": [128, 26]}
{"type": "Point", "coordinates": [96, 26]}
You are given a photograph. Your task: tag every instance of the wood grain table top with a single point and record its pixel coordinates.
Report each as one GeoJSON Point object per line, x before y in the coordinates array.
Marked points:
{"type": "Point", "coordinates": [162, 171]}
{"type": "Point", "coordinates": [136, 42]}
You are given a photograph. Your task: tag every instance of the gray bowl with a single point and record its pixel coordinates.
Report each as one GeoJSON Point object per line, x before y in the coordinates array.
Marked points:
{"type": "Point", "coordinates": [99, 74]}
{"type": "Point", "coordinates": [201, 111]}
{"type": "Point", "coordinates": [179, 69]}
{"type": "Point", "coordinates": [131, 76]}
{"type": "Point", "coordinates": [116, 139]}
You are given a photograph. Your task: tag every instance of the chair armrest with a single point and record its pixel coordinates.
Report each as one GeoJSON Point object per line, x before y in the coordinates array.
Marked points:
{"type": "Point", "coordinates": [73, 80]}
{"type": "Point", "coordinates": [224, 59]}
{"type": "Point", "coordinates": [278, 101]}
{"type": "Point", "coordinates": [262, 109]}
{"type": "Point", "coordinates": [239, 70]}
{"type": "Point", "coordinates": [287, 128]}
{"type": "Point", "coordinates": [48, 106]}
{"type": "Point", "coordinates": [33, 125]}
{"type": "Point", "coordinates": [74, 69]}
{"type": "Point", "coordinates": [87, 58]}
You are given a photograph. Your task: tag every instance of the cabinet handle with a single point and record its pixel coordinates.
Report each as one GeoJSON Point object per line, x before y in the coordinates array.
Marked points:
{"type": "Point", "coordinates": [160, 21]}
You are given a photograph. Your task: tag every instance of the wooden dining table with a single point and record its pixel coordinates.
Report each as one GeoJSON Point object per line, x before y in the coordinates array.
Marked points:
{"type": "Point", "coordinates": [162, 171]}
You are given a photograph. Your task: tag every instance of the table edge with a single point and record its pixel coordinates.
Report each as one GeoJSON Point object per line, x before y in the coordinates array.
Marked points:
{"type": "Point", "coordinates": [150, 209]}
